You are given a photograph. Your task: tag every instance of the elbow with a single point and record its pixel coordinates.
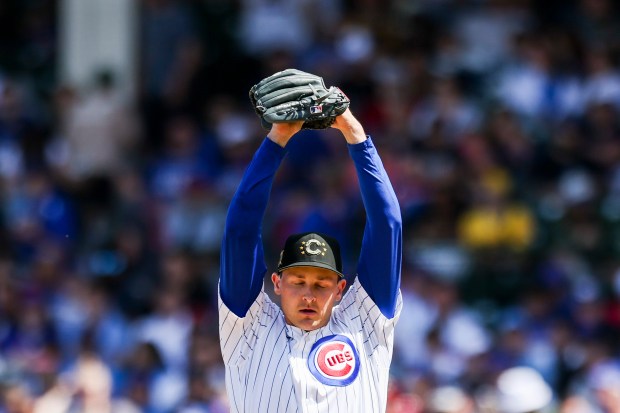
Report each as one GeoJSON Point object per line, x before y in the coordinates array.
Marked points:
{"type": "Point", "coordinates": [389, 222]}
{"type": "Point", "coordinates": [394, 219]}
{"type": "Point", "coordinates": [395, 228]}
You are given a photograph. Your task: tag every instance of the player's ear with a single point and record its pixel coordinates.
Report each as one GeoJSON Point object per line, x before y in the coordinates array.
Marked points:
{"type": "Point", "coordinates": [341, 284]}
{"type": "Point", "coordinates": [276, 280]}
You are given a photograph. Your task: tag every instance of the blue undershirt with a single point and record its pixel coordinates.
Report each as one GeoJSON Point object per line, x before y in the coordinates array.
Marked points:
{"type": "Point", "coordinates": [242, 260]}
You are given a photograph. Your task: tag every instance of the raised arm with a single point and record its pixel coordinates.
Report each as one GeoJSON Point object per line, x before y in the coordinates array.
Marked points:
{"type": "Point", "coordinates": [379, 265]}
{"type": "Point", "coordinates": [242, 260]}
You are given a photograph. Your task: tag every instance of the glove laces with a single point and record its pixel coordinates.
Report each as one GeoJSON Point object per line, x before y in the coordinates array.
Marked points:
{"type": "Point", "coordinates": [327, 94]}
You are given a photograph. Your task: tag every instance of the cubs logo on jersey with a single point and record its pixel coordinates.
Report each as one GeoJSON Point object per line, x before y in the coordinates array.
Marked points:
{"type": "Point", "coordinates": [334, 361]}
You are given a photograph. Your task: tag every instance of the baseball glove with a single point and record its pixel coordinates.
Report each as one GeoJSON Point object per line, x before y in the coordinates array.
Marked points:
{"type": "Point", "coordinates": [292, 95]}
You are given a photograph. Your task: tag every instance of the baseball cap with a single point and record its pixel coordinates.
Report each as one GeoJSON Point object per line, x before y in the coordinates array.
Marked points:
{"type": "Point", "coordinates": [311, 249]}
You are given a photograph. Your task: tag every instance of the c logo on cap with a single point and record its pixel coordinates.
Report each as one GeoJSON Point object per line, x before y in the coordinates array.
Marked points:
{"type": "Point", "coordinates": [333, 360]}
{"type": "Point", "coordinates": [314, 247]}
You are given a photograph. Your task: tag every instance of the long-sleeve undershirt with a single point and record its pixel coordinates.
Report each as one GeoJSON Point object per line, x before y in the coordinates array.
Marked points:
{"type": "Point", "coordinates": [242, 260]}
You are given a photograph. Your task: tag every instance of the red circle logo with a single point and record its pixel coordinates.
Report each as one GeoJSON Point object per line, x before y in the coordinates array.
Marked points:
{"type": "Point", "coordinates": [334, 360]}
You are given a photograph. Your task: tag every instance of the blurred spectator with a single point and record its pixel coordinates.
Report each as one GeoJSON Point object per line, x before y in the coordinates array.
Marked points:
{"type": "Point", "coordinates": [522, 390]}
{"type": "Point", "coordinates": [443, 334]}
{"type": "Point", "coordinates": [31, 343]}
{"type": "Point", "coordinates": [598, 22]}
{"type": "Point", "coordinates": [409, 340]}
{"type": "Point", "coordinates": [16, 399]}
{"type": "Point", "coordinates": [493, 220]}
{"type": "Point", "coordinates": [269, 26]}
{"type": "Point", "coordinates": [511, 145]}
{"type": "Point", "coordinates": [182, 270]}
{"type": "Point", "coordinates": [201, 400]}
{"type": "Point", "coordinates": [22, 130]}
{"type": "Point", "coordinates": [195, 220]}
{"type": "Point", "coordinates": [603, 80]}
{"type": "Point", "coordinates": [400, 401]}
{"type": "Point", "coordinates": [459, 329]}
{"type": "Point", "coordinates": [181, 161]}
{"type": "Point", "coordinates": [139, 373]}
{"type": "Point", "coordinates": [87, 389]}
{"type": "Point", "coordinates": [450, 399]}
{"type": "Point", "coordinates": [447, 113]}
{"type": "Point", "coordinates": [233, 135]}
{"type": "Point", "coordinates": [532, 334]}
{"type": "Point", "coordinates": [604, 380]}
{"type": "Point", "coordinates": [529, 86]}
{"type": "Point", "coordinates": [576, 404]}
{"type": "Point", "coordinates": [485, 33]}
{"type": "Point", "coordinates": [36, 210]}
{"type": "Point", "coordinates": [100, 131]}
{"type": "Point", "coordinates": [168, 328]}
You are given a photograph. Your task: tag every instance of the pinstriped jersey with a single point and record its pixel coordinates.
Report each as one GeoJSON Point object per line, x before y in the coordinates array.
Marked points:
{"type": "Point", "coordinates": [341, 367]}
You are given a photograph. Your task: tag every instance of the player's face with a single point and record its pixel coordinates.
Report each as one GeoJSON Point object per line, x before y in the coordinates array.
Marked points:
{"type": "Point", "coordinates": [308, 295]}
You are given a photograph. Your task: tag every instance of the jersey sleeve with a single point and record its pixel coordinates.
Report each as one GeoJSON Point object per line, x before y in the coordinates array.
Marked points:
{"type": "Point", "coordinates": [242, 263]}
{"type": "Point", "coordinates": [357, 308]}
{"type": "Point", "coordinates": [238, 335]}
{"type": "Point", "coordinates": [379, 265]}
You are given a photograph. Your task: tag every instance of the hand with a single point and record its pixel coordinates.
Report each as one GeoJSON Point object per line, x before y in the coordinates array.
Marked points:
{"type": "Point", "coordinates": [281, 133]}
{"type": "Point", "coordinates": [350, 127]}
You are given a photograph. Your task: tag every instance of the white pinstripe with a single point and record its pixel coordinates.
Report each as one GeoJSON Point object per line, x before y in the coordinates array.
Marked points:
{"type": "Point", "coordinates": [266, 359]}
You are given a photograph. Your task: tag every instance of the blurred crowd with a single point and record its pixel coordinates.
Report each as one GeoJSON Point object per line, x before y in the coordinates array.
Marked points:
{"type": "Point", "coordinates": [497, 120]}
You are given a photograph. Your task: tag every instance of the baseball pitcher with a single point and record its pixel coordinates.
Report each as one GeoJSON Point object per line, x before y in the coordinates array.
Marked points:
{"type": "Point", "coordinates": [321, 350]}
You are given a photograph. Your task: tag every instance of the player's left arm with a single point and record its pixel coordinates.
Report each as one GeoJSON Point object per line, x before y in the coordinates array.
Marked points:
{"type": "Point", "coordinates": [379, 266]}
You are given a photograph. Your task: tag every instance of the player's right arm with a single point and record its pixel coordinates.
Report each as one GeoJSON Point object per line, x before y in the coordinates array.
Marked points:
{"type": "Point", "coordinates": [242, 260]}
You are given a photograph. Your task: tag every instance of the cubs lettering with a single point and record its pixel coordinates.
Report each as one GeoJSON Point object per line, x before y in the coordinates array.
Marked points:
{"type": "Point", "coordinates": [333, 360]}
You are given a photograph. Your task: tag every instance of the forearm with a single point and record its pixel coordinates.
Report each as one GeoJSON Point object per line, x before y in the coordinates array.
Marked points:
{"type": "Point", "coordinates": [242, 262]}
{"type": "Point", "coordinates": [381, 255]}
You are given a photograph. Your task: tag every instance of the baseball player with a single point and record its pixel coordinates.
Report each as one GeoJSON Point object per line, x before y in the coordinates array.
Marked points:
{"type": "Point", "coordinates": [322, 350]}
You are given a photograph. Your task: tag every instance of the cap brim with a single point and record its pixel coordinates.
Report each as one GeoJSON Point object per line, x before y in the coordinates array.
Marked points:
{"type": "Point", "coordinates": [311, 264]}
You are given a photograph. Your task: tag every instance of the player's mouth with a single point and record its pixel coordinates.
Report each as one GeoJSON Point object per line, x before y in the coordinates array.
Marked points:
{"type": "Point", "coordinates": [308, 311]}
